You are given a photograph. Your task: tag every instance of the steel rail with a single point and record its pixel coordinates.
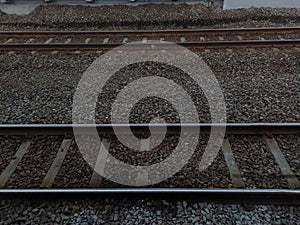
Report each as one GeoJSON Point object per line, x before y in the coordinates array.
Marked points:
{"type": "Point", "coordinates": [251, 196]}
{"type": "Point", "coordinates": [235, 195]}
{"type": "Point", "coordinates": [155, 32]}
{"type": "Point", "coordinates": [160, 46]}
{"type": "Point", "coordinates": [67, 129]}
{"type": "Point", "coordinates": [248, 196]}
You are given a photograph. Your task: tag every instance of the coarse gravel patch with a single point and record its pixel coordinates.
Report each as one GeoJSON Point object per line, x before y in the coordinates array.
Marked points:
{"type": "Point", "coordinates": [42, 84]}
{"type": "Point", "coordinates": [262, 84]}
{"type": "Point", "coordinates": [216, 175]}
{"type": "Point", "coordinates": [8, 147]}
{"type": "Point", "coordinates": [35, 163]}
{"type": "Point", "coordinates": [258, 86]}
{"type": "Point", "coordinates": [256, 163]}
{"type": "Point", "coordinates": [147, 16]}
{"type": "Point", "coordinates": [290, 145]}
{"type": "Point", "coordinates": [75, 171]}
{"type": "Point", "coordinates": [141, 211]}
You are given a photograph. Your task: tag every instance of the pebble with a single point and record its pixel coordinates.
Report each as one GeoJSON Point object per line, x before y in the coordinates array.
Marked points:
{"type": "Point", "coordinates": [165, 202]}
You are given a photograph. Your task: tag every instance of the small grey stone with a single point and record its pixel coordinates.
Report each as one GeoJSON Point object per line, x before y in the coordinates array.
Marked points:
{"type": "Point", "coordinates": [53, 218]}
{"type": "Point", "coordinates": [116, 217]}
{"type": "Point", "coordinates": [165, 202]}
{"type": "Point", "coordinates": [196, 219]}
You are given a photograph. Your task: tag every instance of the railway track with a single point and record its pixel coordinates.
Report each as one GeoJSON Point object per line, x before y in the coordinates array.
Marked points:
{"type": "Point", "coordinates": [239, 191]}
{"type": "Point", "coordinates": [106, 40]}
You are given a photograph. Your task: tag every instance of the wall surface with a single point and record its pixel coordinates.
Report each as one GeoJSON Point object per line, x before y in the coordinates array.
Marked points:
{"type": "Point", "coordinates": [235, 4]}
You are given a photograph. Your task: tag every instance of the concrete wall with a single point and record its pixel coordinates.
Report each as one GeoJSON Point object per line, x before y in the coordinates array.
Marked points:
{"type": "Point", "coordinates": [235, 4]}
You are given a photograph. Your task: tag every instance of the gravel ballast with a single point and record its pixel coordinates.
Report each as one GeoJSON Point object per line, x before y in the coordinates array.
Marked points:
{"type": "Point", "coordinates": [290, 146]}
{"type": "Point", "coordinates": [149, 16]}
{"type": "Point", "coordinates": [39, 89]}
{"type": "Point", "coordinates": [8, 148]}
{"type": "Point", "coordinates": [75, 171]}
{"type": "Point", "coordinates": [256, 163]}
{"type": "Point", "coordinates": [258, 86]}
{"type": "Point", "coordinates": [35, 163]}
{"type": "Point", "coordinates": [125, 211]}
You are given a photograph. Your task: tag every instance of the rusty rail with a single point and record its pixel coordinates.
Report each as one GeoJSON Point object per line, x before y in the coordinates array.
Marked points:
{"type": "Point", "coordinates": [271, 30]}
{"type": "Point", "coordinates": [109, 46]}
